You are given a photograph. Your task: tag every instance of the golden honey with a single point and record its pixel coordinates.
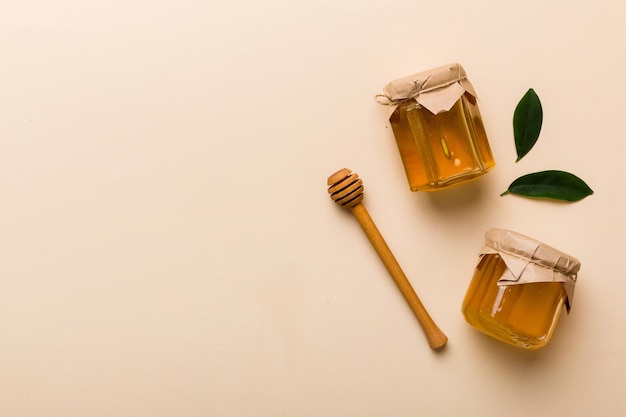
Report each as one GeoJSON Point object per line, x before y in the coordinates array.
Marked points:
{"type": "Point", "coordinates": [438, 128]}
{"type": "Point", "coordinates": [520, 303]}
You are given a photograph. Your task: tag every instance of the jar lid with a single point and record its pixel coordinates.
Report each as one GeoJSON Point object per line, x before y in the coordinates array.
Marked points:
{"type": "Point", "coordinates": [529, 260]}
{"type": "Point", "coordinates": [437, 89]}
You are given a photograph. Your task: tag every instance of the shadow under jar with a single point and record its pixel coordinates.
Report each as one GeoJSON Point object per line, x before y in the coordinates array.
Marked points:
{"type": "Point", "coordinates": [519, 288]}
{"type": "Point", "coordinates": [438, 128]}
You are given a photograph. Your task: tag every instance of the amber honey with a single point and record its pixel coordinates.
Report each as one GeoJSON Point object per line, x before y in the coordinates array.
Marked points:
{"type": "Point", "coordinates": [438, 128]}
{"type": "Point", "coordinates": [439, 151]}
{"type": "Point", "coordinates": [525, 313]}
{"type": "Point", "coordinates": [522, 315]}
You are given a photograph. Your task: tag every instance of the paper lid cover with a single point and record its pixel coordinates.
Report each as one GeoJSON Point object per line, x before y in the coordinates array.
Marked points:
{"type": "Point", "coordinates": [437, 89]}
{"type": "Point", "coordinates": [529, 260]}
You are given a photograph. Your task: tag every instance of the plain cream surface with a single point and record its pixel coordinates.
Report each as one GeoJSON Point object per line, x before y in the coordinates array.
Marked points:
{"type": "Point", "coordinates": [168, 248]}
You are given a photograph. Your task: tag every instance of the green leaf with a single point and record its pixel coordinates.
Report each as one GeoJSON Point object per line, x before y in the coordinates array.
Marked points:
{"type": "Point", "coordinates": [556, 185]}
{"type": "Point", "coordinates": [527, 121]}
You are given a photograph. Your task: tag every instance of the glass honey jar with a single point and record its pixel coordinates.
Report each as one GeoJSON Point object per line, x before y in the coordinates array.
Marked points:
{"type": "Point", "coordinates": [438, 128]}
{"type": "Point", "coordinates": [519, 289]}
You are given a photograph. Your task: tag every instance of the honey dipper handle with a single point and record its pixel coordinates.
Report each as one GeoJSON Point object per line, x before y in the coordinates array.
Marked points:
{"type": "Point", "coordinates": [436, 338]}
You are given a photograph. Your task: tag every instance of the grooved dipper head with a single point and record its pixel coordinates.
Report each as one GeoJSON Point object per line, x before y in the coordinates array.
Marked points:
{"type": "Point", "coordinates": [345, 188]}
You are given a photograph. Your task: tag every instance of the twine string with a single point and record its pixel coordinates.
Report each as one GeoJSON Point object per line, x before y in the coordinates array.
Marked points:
{"type": "Point", "coordinates": [416, 90]}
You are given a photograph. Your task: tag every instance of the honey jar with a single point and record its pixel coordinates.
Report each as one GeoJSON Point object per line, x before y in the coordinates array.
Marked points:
{"type": "Point", "coordinates": [519, 289]}
{"type": "Point", "coordinates": [438, 128]}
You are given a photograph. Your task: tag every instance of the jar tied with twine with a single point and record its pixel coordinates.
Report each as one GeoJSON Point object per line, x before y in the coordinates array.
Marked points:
{"type": "Point", "coordinates": [438, 128]}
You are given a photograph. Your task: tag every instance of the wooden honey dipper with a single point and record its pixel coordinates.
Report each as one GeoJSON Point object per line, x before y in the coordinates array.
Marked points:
{"type": "Point", "coordinates": [346, 189]}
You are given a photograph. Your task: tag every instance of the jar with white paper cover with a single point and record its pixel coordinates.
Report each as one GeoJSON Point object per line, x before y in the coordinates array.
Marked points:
{"type": "Point", "coordinates": [438, 128]}
{"type": "Point", "coordinates": [519, 289]}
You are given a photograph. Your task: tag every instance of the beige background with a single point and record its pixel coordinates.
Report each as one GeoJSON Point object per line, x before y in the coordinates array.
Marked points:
{"type": "Point", "coordinates": [167, 246]}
